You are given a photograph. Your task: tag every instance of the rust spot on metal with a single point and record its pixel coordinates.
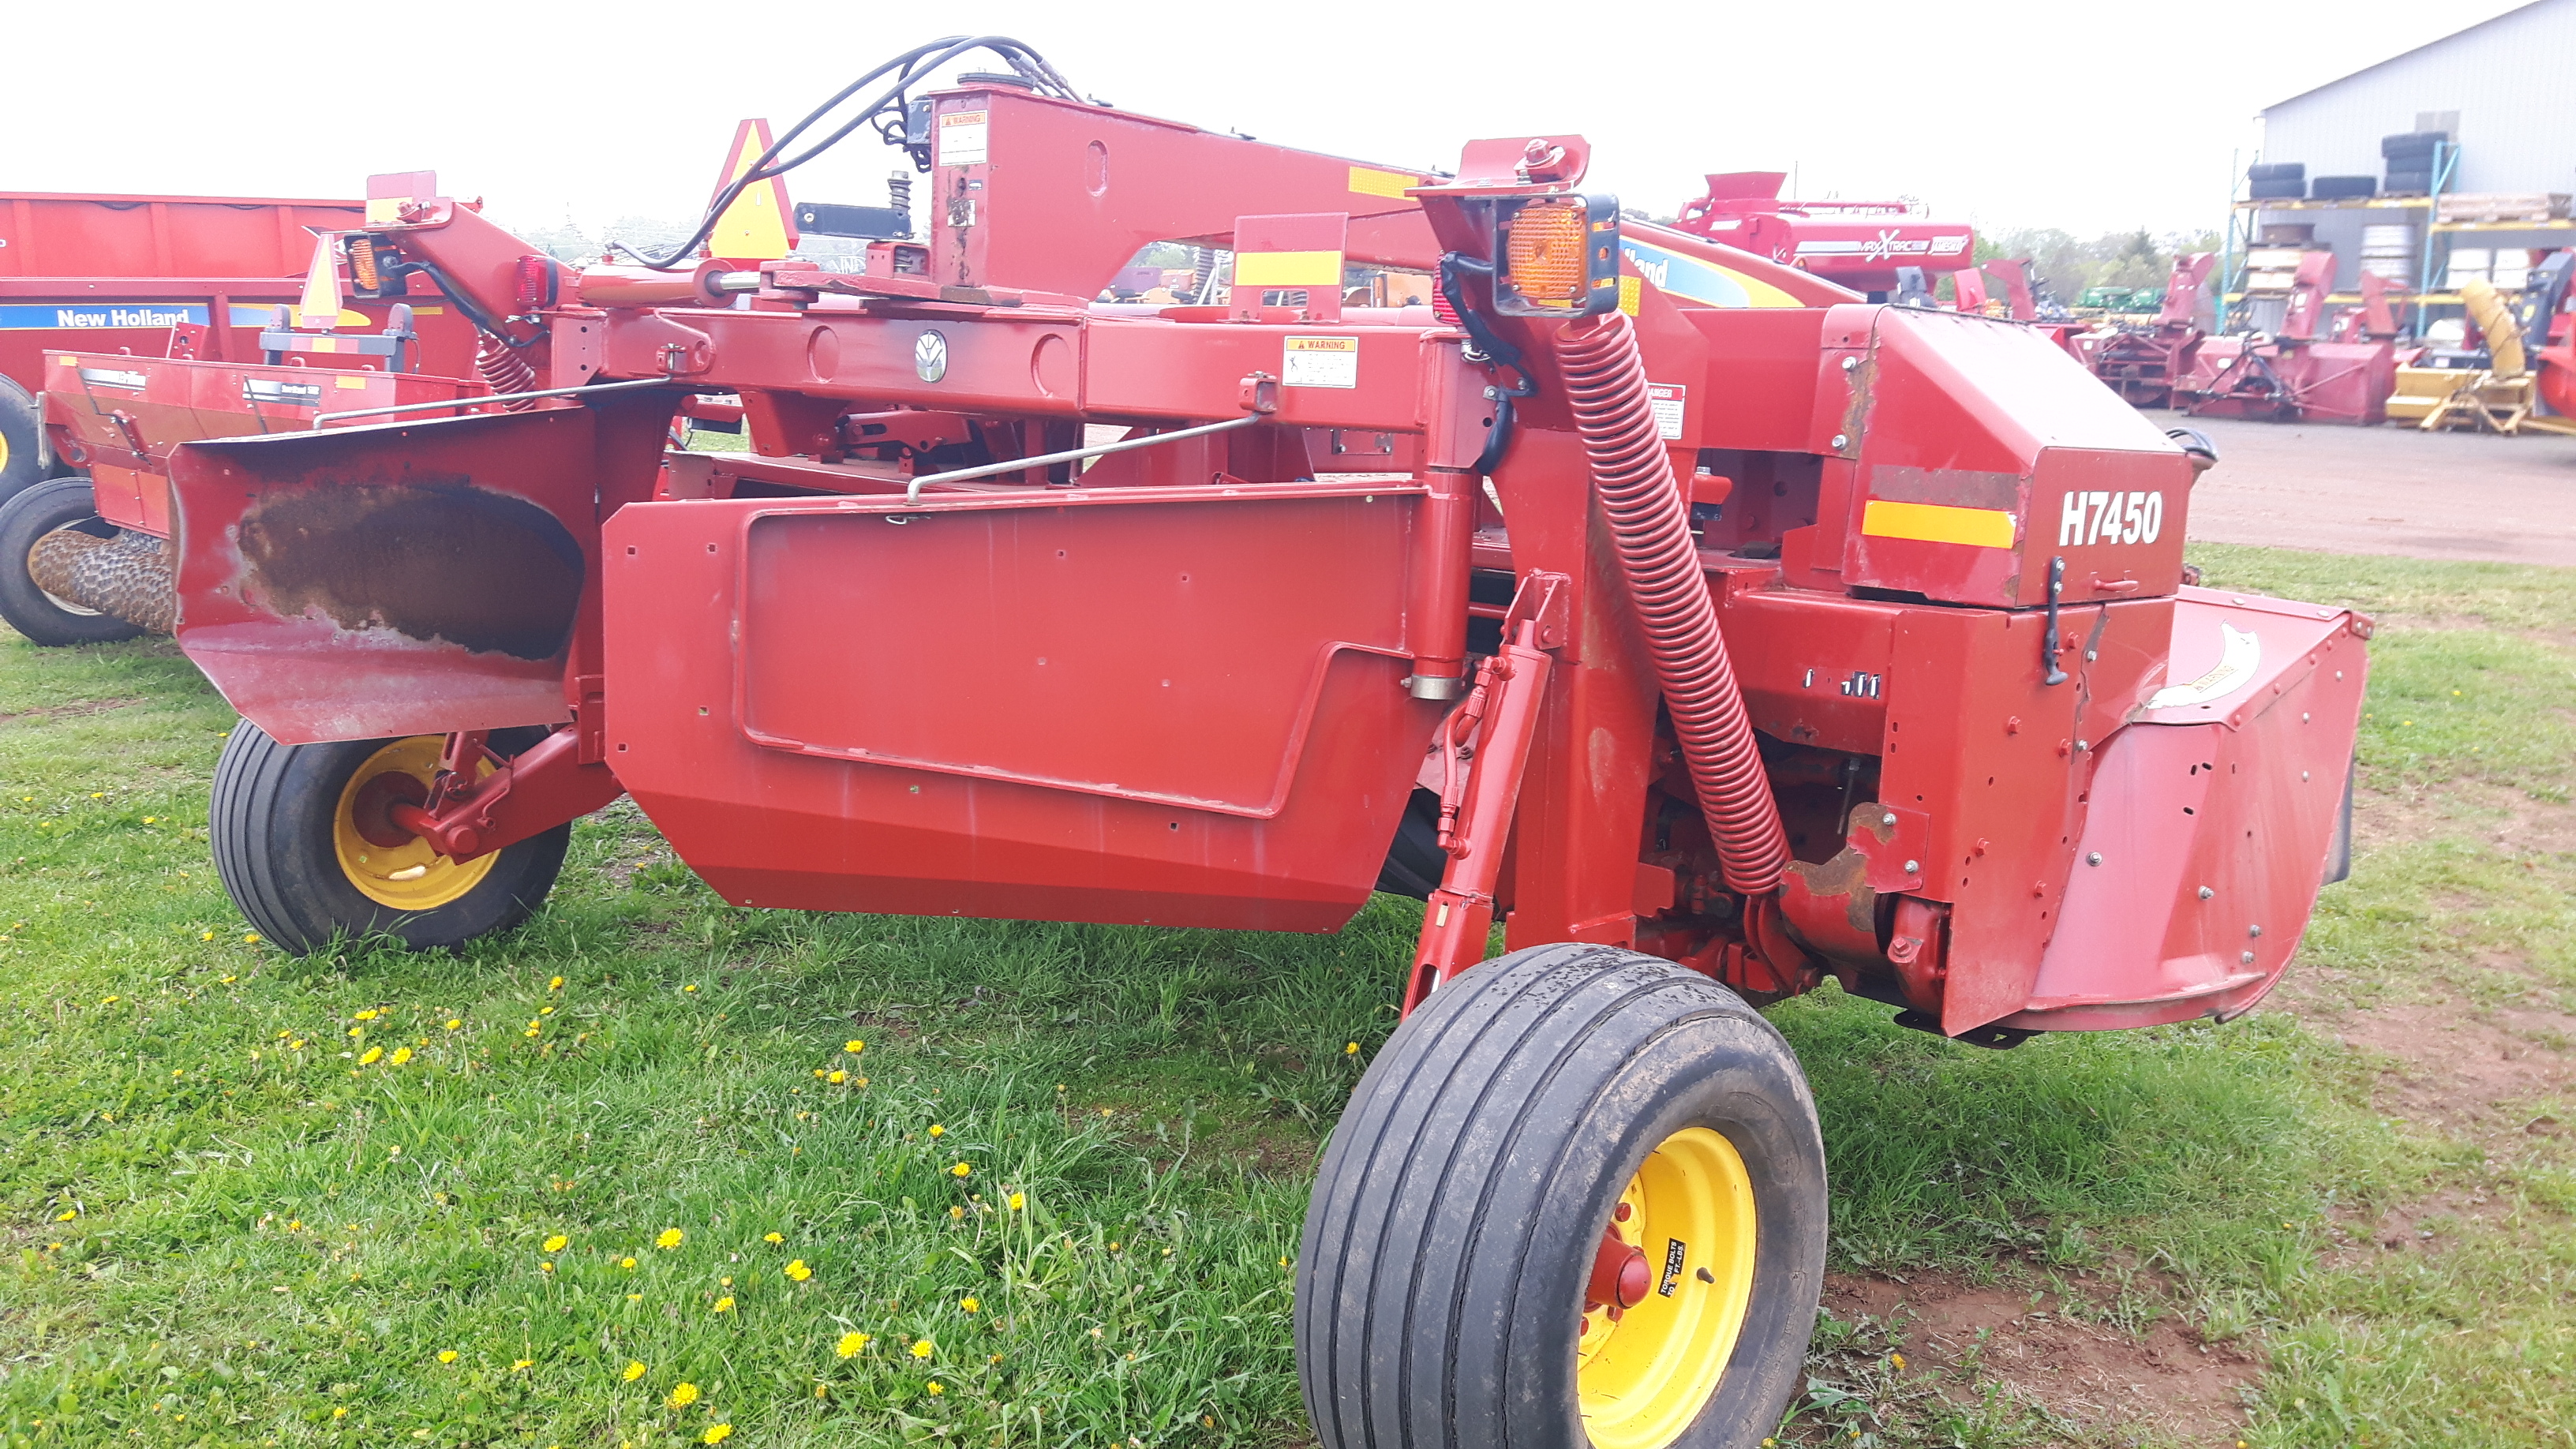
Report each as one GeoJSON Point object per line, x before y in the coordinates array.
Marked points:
{"type": "Point", "coordinates": [436, 561]}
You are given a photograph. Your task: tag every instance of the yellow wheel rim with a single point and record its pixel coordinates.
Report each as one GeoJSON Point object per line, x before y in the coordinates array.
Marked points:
{"type": "Point", "coordinates": [411, 875]}
{"type": "Point", "coordinates": [1643, 1377]}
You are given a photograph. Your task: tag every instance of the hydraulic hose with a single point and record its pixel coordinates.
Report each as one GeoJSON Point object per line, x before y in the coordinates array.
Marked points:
{"type": "Point", "coordinates": [1605, 381]}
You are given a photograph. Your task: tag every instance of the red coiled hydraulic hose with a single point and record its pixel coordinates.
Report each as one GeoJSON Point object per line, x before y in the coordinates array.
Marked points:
{"type": "Point", "coordinates": [1605, 381]}
{"type": "Point", "coordinates": [504, 371]}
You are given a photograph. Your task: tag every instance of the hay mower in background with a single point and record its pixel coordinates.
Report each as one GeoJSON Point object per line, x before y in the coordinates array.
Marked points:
{"type": "Point", "coordinates": [1712, 650]}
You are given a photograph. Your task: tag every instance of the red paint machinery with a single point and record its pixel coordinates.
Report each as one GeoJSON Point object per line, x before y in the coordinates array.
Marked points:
{"type": "Point", "coordinates": [2289, 375]}
{"type": "Point", "coordinates": [1711, 650]}
{"type": "Point", "coordinates": [1859, 244]}
{"type": "Point", "coordinates": [2145, 364]}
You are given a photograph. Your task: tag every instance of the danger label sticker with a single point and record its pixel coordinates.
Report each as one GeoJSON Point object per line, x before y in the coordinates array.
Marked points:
{"type": "Point", "coordinates": [965, 138]}
{"type": "Point", "coordinates": [1667, 399]}
{"type": "Point", "coordinates": [1321, 362]}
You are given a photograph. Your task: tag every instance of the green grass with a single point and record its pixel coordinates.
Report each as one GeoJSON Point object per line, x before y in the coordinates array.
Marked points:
{"type": "Point", "coordinates": [217, 1236]}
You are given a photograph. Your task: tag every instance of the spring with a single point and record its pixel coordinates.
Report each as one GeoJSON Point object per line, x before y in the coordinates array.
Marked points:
{"type": "Point", "coordinates": [504, 371]}
{"type": "Point", "coordinates": [1605, 383]}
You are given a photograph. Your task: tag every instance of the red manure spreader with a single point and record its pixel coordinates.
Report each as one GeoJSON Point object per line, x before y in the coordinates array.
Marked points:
{"type": "Point", "coordinates": [1711, 650]}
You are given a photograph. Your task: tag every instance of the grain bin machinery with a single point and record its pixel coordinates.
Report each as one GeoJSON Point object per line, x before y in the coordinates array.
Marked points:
{"type": "Point", "coordinates": [1711, 650]}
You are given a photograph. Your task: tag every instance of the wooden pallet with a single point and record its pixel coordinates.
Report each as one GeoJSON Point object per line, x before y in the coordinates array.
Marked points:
{"type": "Point", "coordinates": [2504, 206]}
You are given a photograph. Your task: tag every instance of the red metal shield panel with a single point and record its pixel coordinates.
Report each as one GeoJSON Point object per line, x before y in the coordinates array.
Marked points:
{"type": "Point", "coordinates": [1178, 706]}
{"type": "Point", "coordinates": [2212, 821]}
{"type": "Point", "coordinates": [388, 581]}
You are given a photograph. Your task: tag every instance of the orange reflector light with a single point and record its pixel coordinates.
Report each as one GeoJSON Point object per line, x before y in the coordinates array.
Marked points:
{"type": "Point", "coordinates": [362, 264]}
{"type": "Point", "coordinates": [1544, 255]}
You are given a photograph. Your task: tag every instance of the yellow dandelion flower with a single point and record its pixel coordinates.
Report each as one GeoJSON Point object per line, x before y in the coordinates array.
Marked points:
{"type": "Point", "coordinates": [1350, 1049]}
{"type": "Point", "coordinates": [341, 1412]}
{"type": "Point", "coordinates": [822, 1391]}
{"type": "Point", "coordinates": [716, 1434]}
{"type": "Point", "coordinates": [771, 1238]}
{"type": "Point", "coordinates": [546, 1267]}
{"type": "Point", "coordinates": [531, 1031]}
{"type": "Point", "coordinates": [690, 987]}
{"type": "Point", "coordinates": [921, 1348]}
{"type": "Point", "coordinates": [960, 1170]}
{"type": "Point", "coordinates": [836, 1077]}
{"type": "Point", "coordinates": [634, 1370]}
{"type": "Point", "coordinates": [546, 1011]}
{"type": "Point", "coordinates": [1113, 1247]}
{"type": "Point", "coordinates": [684, 1395]}
{"type": "Point", "coordinates": [555, 985]}
{"type": "Point", "coordinates": [724, 1282]}
{"type": "Point", "coordinates": [520, 1364]}
{"type": "Point", "coordinates": [1896, 1360]}
{"type": "Point", "coordinates": [969, 1304]}
{"type": "Point", "coordinates": [557, 1243]}
{"type": "Point", "coordinates": [367, 1015]}
{"type": "Point", "coordinates": [634, 1297]}
{"type": "Point", "coordinates": [206, 936]}
{"type": "Point", "coordinates": [854, 1045]}
{"type": "Point", "coordinates": [401, 1055]}
{"type": "Point", "coordinates": [453, 1023]}
{"type": "Point", "coordinates": [850, 1345]}
{"type": "Point", "coordinates": [369, 1057]}
{"type": "Point", "coordinates": [1018, 1202]}
{"type": "Point", "coordinates": [724, 1304]}
{"type": "Point", "coordinates": [250, 938]}
{"type": "Point", "coordinates": [936, 1387]}
{"type": "Point", "coordinates": [935, 1129]}
{"type": "Point", "coordinates": [626, 1262]}
{"type": "Point", "coordinates": [447, 1355]}
{"type": "Point", "coordinates": [296, 1045]}
{"type": "Point", "coordinates": [798, 1271]}
{"type": "Point", "coordinates": [669, 1238]}
{"type": "Point", "coordinates": [957, 1212]}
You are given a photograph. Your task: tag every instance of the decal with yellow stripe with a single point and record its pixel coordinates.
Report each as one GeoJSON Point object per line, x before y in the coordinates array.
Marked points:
{"type": "Point", "coordinates": [1938, 523]}
{"type": "Point", "coordinates": [1288, 269]}
{"type": "Point", "coordinates": [1369, 181]}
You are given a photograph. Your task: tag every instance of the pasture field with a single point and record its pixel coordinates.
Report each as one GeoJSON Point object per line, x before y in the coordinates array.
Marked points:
{"type": "Point", "coordinates": [659, 1171]}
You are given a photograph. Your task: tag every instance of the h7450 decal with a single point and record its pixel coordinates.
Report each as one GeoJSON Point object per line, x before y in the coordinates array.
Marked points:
{"type": "Point", "coordinates": [2113, 517]}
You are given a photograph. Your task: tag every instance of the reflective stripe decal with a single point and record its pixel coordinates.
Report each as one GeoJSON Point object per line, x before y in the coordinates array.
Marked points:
{"type": "Point", "coordinates": [1938, 523]}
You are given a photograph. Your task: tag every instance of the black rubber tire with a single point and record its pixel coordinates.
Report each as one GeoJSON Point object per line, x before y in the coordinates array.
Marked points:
{"type": "Point", "coordinates": [2343, 188]}
{"type": "Point", "coordinates": [2276, 190]}
{"type": "Point", "coordinates": [1451, 1230]}
{"type": "Point", "coordinates": [271, 821]}
{"type": "Point", "coordinates": [2410, 145]}
{"type": "Point", "coordinates": [2277, 171]}
{"type": "Point", "coordinates": [37, 510]}
{"type": "Point", "coordinates": [22, 440]}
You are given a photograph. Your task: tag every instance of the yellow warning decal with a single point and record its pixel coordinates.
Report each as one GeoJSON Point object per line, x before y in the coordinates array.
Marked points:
{"type": "Point", "coordinates": [1368, 181]}
{"type": "Point", "coordinates": [1288, 269]}
{"type": "Point", "coordinates": [1938, 523]}
{"type": "Point", "coordinates": [358, 382]}
{"type": "Point", "coordinates": [1632, 295]}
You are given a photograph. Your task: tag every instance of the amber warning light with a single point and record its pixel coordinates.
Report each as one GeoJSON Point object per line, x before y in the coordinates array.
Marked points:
{"type": "Point", "coordinates": [1560, 257]}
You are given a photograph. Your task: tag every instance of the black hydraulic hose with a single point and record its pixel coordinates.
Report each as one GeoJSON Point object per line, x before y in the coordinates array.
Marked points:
{"type": "Point", "coordinates": [912, 65]}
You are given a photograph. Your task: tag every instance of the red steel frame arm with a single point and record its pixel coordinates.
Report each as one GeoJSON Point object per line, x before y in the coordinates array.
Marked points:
{"type": "Point", "coordinates": [1476, 808]}
{"type": "Point", "coordinates": [541, 788]}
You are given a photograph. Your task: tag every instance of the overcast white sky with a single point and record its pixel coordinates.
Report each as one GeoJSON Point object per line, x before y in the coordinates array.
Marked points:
{"type": "Point", "coordinates": [2013, 112]}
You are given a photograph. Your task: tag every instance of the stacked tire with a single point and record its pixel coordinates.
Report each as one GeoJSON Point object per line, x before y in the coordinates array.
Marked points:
{"type": "Point", "coordinates": [2343, 188]}
{"type": "Point", "coordinates": [2409, 160]}
{"type": "Point", "coordinates": [2277, 181]}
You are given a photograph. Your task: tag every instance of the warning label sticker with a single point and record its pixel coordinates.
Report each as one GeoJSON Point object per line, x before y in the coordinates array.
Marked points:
{"type": "Point", "coordinates": [1321, 362]}
{"type": "Point", "coordinates": [964, 137]}
{"type": "Point", "coordinates": [1667, 398]}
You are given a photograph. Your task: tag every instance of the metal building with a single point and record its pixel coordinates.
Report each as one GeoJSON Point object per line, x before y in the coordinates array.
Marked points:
{"type": "Point", "coordinates": [2500, 87]}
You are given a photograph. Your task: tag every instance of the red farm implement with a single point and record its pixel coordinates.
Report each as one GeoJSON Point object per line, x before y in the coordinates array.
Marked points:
{"type": "Point", "coordinates": [122, 278]}
{"type": "Point", "coordinates": [1858, 244]}
{"type": "Point", "coordinates": [1710, 649]}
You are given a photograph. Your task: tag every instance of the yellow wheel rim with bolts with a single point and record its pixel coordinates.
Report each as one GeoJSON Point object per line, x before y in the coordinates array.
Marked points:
{"type": "Point", "coordinates": [1643, 1377]}
{"type": "Point", "coordinates": [409, 875]}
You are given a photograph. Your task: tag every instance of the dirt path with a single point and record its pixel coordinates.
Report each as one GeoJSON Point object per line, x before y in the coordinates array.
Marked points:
{"type": "Point", "coordinates": [2386, 490]}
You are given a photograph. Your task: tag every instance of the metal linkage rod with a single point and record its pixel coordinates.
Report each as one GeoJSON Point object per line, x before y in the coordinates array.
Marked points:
{"type": "Point", "coordinates": [959, 475]}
